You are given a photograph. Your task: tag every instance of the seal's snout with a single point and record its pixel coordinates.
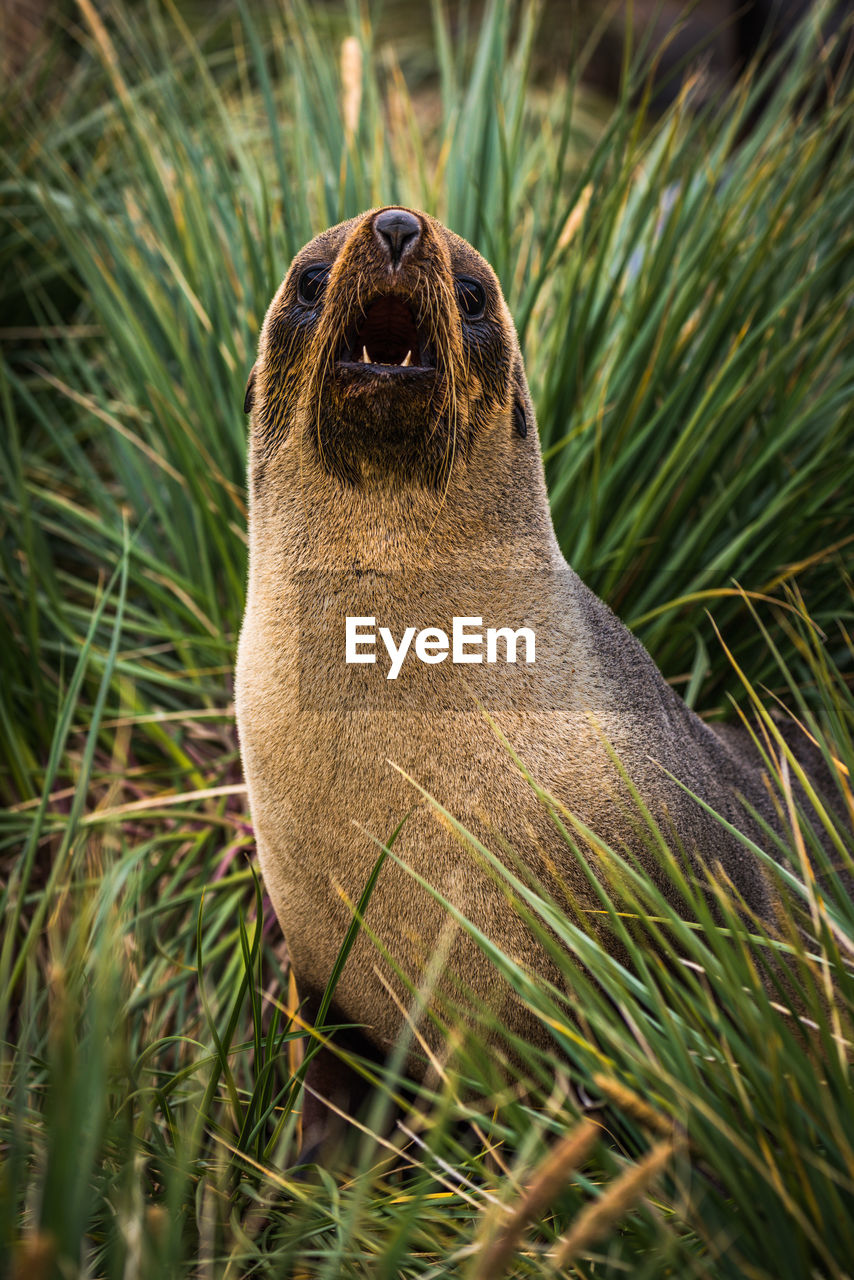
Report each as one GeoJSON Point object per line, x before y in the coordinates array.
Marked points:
{"type": "Point", "coordinates": [398, 231]}
{"type": "Point", "coordinates": [383, 298]}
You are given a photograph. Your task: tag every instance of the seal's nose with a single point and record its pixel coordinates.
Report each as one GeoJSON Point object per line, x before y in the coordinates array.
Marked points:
{"type": "Point", "coordinates": [397, 230]}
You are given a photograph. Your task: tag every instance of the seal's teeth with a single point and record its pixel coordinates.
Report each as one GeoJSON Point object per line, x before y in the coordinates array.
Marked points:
{"type": "Point", "coordinates": [366, 359]}
{"type": "Point", "coordinates": [407, 359]}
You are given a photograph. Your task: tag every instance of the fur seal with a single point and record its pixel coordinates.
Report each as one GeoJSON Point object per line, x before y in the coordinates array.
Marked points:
{"type": "Point", "coordinates": [395, 475]}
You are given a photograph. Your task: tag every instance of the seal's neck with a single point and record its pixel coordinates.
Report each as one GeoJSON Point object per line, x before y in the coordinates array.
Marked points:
{"type": "Point", "coordinates": [493, 512]}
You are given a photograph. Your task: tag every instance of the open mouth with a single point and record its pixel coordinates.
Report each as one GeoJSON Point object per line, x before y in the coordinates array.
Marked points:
{"type": "Point", "coordinates": [387, 339]}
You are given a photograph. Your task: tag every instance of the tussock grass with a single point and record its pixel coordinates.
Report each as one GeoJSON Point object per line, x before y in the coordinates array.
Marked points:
{"type": "Point", "coordinates": [683, 291]}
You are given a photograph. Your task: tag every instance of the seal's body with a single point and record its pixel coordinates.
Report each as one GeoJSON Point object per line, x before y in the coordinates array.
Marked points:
{"type": "Point", "coordinates": [395, 473]}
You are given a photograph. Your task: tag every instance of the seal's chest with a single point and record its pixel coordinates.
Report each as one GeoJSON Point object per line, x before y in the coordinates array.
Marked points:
{"type": "Point", "coordinates": [451, 642]}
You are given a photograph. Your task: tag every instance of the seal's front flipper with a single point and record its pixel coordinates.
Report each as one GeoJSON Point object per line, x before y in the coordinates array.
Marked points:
{"type": "Point", "coordinates": [333, 1094]}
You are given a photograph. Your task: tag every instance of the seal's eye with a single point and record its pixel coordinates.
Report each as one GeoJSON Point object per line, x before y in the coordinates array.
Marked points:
{"type": "Point", "coordinates": [471, 297]}
{"type": "Point", "coordinates": [312, 282]}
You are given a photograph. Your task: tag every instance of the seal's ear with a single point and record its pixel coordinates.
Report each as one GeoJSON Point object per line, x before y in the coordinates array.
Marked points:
{"type": "Point", "coordinates": [249, 397]}
{"type": "Point", "coordinates": [520, 413]}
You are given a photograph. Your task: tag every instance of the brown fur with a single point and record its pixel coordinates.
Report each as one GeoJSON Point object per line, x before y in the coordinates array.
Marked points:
{"type": "Point", "coordinates": [411, 504]}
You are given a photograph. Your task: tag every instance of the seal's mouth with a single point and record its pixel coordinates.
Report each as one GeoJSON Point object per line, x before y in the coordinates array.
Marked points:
{"type": "Point", "coordinates": [387, 340]}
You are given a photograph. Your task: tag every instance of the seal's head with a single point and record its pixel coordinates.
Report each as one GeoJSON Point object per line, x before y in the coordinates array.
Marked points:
{"type": "Point", "coordinates": [389, 351]}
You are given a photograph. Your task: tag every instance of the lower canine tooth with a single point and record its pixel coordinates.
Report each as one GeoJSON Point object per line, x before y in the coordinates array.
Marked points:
{"type": "Point", "coordinates": [406, 360]}
{"type": "Point", "coordinates": [366, 359]}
